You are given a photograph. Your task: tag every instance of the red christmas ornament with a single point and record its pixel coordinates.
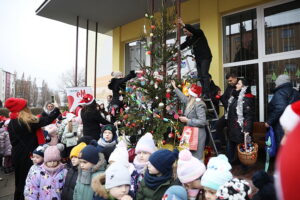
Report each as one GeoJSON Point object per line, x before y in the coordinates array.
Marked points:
{"type": "Point", "coordinates": [164, 142]}
{"type": "Point", "coordinates": [125, 117]}
{"type": "Point", "coordinates": [171, 135]}
{"type": "Point", "coordinates": [174, 59]}
{"type": "Point", "coordinates": [168, 95]}
{"type": "Point", "coordinates": [148, 52]}
{"type": "Point", "coordinates": [176, 116]}
{"type": "Point", "coordinates": [180, 112]}
{"type": "Point", "coordinates": [153, 26]}
{"type": "Point", "coordinates": [133, 124]}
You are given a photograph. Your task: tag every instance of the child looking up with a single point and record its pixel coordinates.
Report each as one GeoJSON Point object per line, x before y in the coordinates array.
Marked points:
{"type": "Point", "coordinates": [108, 137]}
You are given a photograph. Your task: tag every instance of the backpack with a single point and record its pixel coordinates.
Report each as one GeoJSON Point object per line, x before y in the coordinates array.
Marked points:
{"type": "Point", "coordinates": [270, 142]}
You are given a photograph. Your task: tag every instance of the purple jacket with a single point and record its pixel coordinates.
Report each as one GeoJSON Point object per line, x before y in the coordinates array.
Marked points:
{"type": "Point", "coordinates": [5, 146]}
{"type": "Point", "coordinates": [44, 184]}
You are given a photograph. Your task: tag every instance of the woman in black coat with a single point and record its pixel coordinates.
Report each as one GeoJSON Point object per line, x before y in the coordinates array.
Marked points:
{"type": "Point", "coordinates": [91, 118]}
{"type": "Point", "coordinates": [22, 133]}
{"type": "Point", "coordinates": [240, 116]}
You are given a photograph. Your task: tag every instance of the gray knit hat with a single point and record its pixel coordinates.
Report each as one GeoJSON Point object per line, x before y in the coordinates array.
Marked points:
{"type": "Point", "coordinates": [282, 79]}
{"type": "Point", "coordinates": [116, 174]}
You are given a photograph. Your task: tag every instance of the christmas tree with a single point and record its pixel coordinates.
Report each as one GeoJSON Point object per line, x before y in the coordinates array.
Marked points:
{"type": "Point", "coordinates": [151, 105]}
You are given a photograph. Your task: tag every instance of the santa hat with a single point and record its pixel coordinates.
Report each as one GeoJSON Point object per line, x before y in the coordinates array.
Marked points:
{"type": "Point", "coordinates": [70, 116]}
{"type": "Point", "coordinates": [87, 99]}
{"type": "Point", "coordinates": [287, 167]}
{"type": "Point", "coordinates": [15, 105]}
{"type": "Point", "coordinates": [290, 117]}
{"type": "Point", "coordinates": [146, 143]}
{"type": "Point", "coordinates": [195, 90]}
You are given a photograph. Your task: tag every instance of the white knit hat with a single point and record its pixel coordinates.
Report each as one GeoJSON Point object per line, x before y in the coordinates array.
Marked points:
{"type": "Point", "coordinates": [290, 117]}
{"type": "Point", "coordinates": [116, 175]}
{"type": "Point", "coordinates": [146, 143]}
{"type": "Point", "coordinates": [120, 154]}
{"type": "Point", "coordinates": [189, 168]}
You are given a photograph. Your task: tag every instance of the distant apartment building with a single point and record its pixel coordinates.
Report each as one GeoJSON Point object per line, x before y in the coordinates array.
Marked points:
{"type": "Point", "coordinates": [7, 84]}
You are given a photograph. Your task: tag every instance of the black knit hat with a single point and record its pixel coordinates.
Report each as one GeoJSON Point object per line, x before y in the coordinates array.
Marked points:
{"type": "Point", "coordinates": [163, 160]}
{"type": "Point", "coordinates": [90, 153]}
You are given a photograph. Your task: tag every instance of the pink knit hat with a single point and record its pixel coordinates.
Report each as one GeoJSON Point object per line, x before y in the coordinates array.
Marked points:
{"type": "Point", "coordinates": [52, 153]}
{"type": "Point", "coordinates": [146, 143]}
{"type": "Point", "coordinates": [189, 168]}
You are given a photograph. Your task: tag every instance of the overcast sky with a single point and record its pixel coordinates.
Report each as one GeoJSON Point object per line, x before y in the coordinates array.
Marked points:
{"type": "Point", "coordinates": [38, 46]}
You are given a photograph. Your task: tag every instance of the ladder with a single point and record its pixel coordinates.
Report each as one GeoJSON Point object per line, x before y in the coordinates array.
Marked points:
{"type": "Point", "coordinates": [211, 117]}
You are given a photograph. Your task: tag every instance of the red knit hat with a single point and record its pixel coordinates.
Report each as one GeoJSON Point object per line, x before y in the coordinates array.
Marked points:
{"type": "Point", "coordinates": [195, 90]}
{"type": "Point", "coordinates": [87, 99]}
{"type": "Point", "coordinates": [15, 105]}
{"type": "Point", "coordinates": [290, 117]}
{"type": "Point", "coordinates": [287, 167]}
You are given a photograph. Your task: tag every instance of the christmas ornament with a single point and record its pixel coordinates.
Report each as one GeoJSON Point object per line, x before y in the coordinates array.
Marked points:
{"type": "Point", "coordinates": [168, 108]}
{"type": "Point", "coordinates": [148, 52]}
{"type": "Point", "coordinates": [163, 142]}
{"type": "Point", "coordinates": [156, 98]}
{"type": "Point", "coordinates": [120, 91]}
{"type": "Point", "coordinates": [151, 34]}
{"type": "Point", "coordinates": [176, 116]}
{"type": "Point", "coordinates": [171, 135]}
{"type": "Point", "coordinates": [168, 90]}
{"type": "Point", "coordinates": [156, 85]}
{"type": "Point", "coordinates": [146, 15]}
{"type": "Point", "coordinates": [161, 104]}
{"type": "Point", "coordinates": [152, 26]}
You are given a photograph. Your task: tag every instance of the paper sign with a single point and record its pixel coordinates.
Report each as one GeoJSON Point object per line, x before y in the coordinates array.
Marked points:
{"type": "Point", "coordinates": [75, 95]}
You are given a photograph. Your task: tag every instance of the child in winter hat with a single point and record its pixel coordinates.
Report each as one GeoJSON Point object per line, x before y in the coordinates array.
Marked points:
{"type": "Point", "coordinates": [68, 190]}
{"type": "Point", "coordinates": [144, 148]}
{"type": "Point", "coordinates": [108, 136]}
{"type": "Point", "coordinates": [90, 165]}
{"type": "Point", "coordinates": [48, 181]}
{"type": "Point", "coordinates": [114, 184]}
{"type": "Point", "coordinates": [5, 146]}
{"type": "Point", "coordinates": [175, 192]}
{"type": "Point", "coordinates": [217, 173]}
{"type": "Point", "coordinates": [158, 176]}
{"type": "Point", "coordinates": [120, 155]}
{"type": "Point", "coordinates": [234, 189]}
{"type": "Point", "coordinates": [52, 132]}
{"type": "Point", "coordinates": [189, 172]}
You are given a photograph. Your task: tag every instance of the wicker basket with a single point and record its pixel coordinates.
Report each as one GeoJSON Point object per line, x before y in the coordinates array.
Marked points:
{"type": "Point", "coordinates": [248, 158]}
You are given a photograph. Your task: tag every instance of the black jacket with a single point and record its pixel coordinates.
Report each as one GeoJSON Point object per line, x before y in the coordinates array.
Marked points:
{"type": "Point", "coordinates": [70, 182]}
{"type": "Point", "coordinates": [24, 142]}
{"type": "Point", "coordinates": [227, 94]}
{"type": "Point", "coordinates": [213, 92]}
{"type": "Point", "coordinates": [91, 120]}
{"type": "Point", "coordinates": [235, 131]}
{"type": "Point", "coordinates": [117, 84]}
{"type": "Point", "coordinates": [284, 95]}
{"type": "Point", "coordinates": [198, 43]}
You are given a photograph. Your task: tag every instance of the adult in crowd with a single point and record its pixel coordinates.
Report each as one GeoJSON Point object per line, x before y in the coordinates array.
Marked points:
{"type": "Point", "coordinates": [284, 94]}
{"type": "Point", "coordinates": [214, 93]}
{"type": "Point", "coordinates": [197, 41]}
{"type": "Point", "coordinates": [194, 114]}
{"type": "Point", "coordinates": [118, 85]}
{"type": "Point", "coordinates": [91, 117]}
{"type": "Point", "coordinates": [22, 130]}
{"type": "Point", "coordinates": [240, 116]}
{"type": "Point", "coordinates": [109, 99]}
{"type": "Point", "coordinates": [232, 80]}
{"type": "Point", "coordinates": [48, 108]}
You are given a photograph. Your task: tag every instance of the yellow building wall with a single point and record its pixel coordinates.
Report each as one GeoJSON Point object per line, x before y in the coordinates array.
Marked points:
{"type": "Point", "coordinates": [207, 12]}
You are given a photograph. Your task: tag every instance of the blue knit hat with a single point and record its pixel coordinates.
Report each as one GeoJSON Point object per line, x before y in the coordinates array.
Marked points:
{"type": "Point", "coordinates": [90, 153]}
{"type": "Point", "coordinates": [40, 150]}
{"type": "Point", "coordinates": [176, 192]}
{"type": "Point", "coordinates": [163, 160]}
{"type": "Point", "coordinates": [111, 128]}
{"type": "Point", "coordinates": [217, 173]}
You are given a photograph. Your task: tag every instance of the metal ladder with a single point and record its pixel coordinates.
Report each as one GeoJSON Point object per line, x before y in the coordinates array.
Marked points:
{"type": "Point", "coordinates": [211, 116]}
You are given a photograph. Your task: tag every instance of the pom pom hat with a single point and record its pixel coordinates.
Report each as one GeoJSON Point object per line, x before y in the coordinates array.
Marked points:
{"type": "Point", "coordinates": [195, 90]}
{"type": "Point", "coordinates": [189, 168]}
{"type": "Point", "coordinates": [175, 192]}
{"type": "Point", "coordinates": [52, 153]}
{"type": "Point", "coordinates": [15, 105]}
{"type": "Point", "coordinates": [87, 99]}
{"type": "Point", "coordinates": [217, 172]}
{"type": "Point", "coordinates": [146, 143]}
{"type": "Point", "coordinates": [120, 154]}
{"type": "Point", "coordinates": [290, 117]}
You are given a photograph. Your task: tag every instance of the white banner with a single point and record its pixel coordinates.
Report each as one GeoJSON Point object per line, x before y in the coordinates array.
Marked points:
{"type": "Point", "coordinates": [75, 95]}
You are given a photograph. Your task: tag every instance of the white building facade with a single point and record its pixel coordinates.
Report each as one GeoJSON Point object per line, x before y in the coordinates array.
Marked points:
{"type": "Point", "coordinates": [7, 85]}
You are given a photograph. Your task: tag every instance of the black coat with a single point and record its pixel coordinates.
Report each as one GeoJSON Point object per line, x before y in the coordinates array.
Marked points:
{"type": "Point", "coordinates": [213, 92]}
{"type": "Point", "coordinates": [235, 131]}
{"type": "Point", "coordinates": [198, 43]}
{"type": "Point", "coordinates": [284, 95]}
{"type": "Point", "coordinates": [91, 120]}
{"type": "Point", "coordinates": [227, 94]}
{"type": "Point", "coordinates": [117, 84]}
{"type": "Point", "coordinates": [70, 182]}
{"type": "Point", "coordinates": [24, 142]}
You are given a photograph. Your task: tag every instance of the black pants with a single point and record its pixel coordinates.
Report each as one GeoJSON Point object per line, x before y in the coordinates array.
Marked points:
{"type": "Point", "coordinates": [220, 125]}
{"type": "Point", "coordinates": [202, 70]}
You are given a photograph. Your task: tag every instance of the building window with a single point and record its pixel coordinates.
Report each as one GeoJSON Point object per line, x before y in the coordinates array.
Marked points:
{"type": "Point", "coordinates": [135, 55]}
{"type": "Point", "coordinates": [240, 38]}
{"type": "Point", "coordinates": [283, 21]}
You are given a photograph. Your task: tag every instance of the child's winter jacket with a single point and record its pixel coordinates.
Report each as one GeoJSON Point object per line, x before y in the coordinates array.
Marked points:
{"type": "Point", "coordinates": [68, 190]}
{"type": "Point", "coordinates": [69, 138]}
{"type": "Point", "coordinates": [5, 146]}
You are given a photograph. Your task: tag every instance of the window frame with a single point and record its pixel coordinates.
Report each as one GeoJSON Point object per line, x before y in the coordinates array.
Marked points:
{"type": "Point", "coordinates": [262, 56]}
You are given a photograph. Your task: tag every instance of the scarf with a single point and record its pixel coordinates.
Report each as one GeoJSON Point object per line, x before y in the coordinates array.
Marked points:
{"type": "Point", "coordinates": [239, 107]}
{"type": "Point", "coordinates": [85, 177]}
{"type": "Point", "coordinates": [153, 181]}
{"type": "Point", "coordinates": [104, 143]}
{"type": "Point", "coordinates": [139, 166]}
{"type": "Point", "coordinates": [53, 170]}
